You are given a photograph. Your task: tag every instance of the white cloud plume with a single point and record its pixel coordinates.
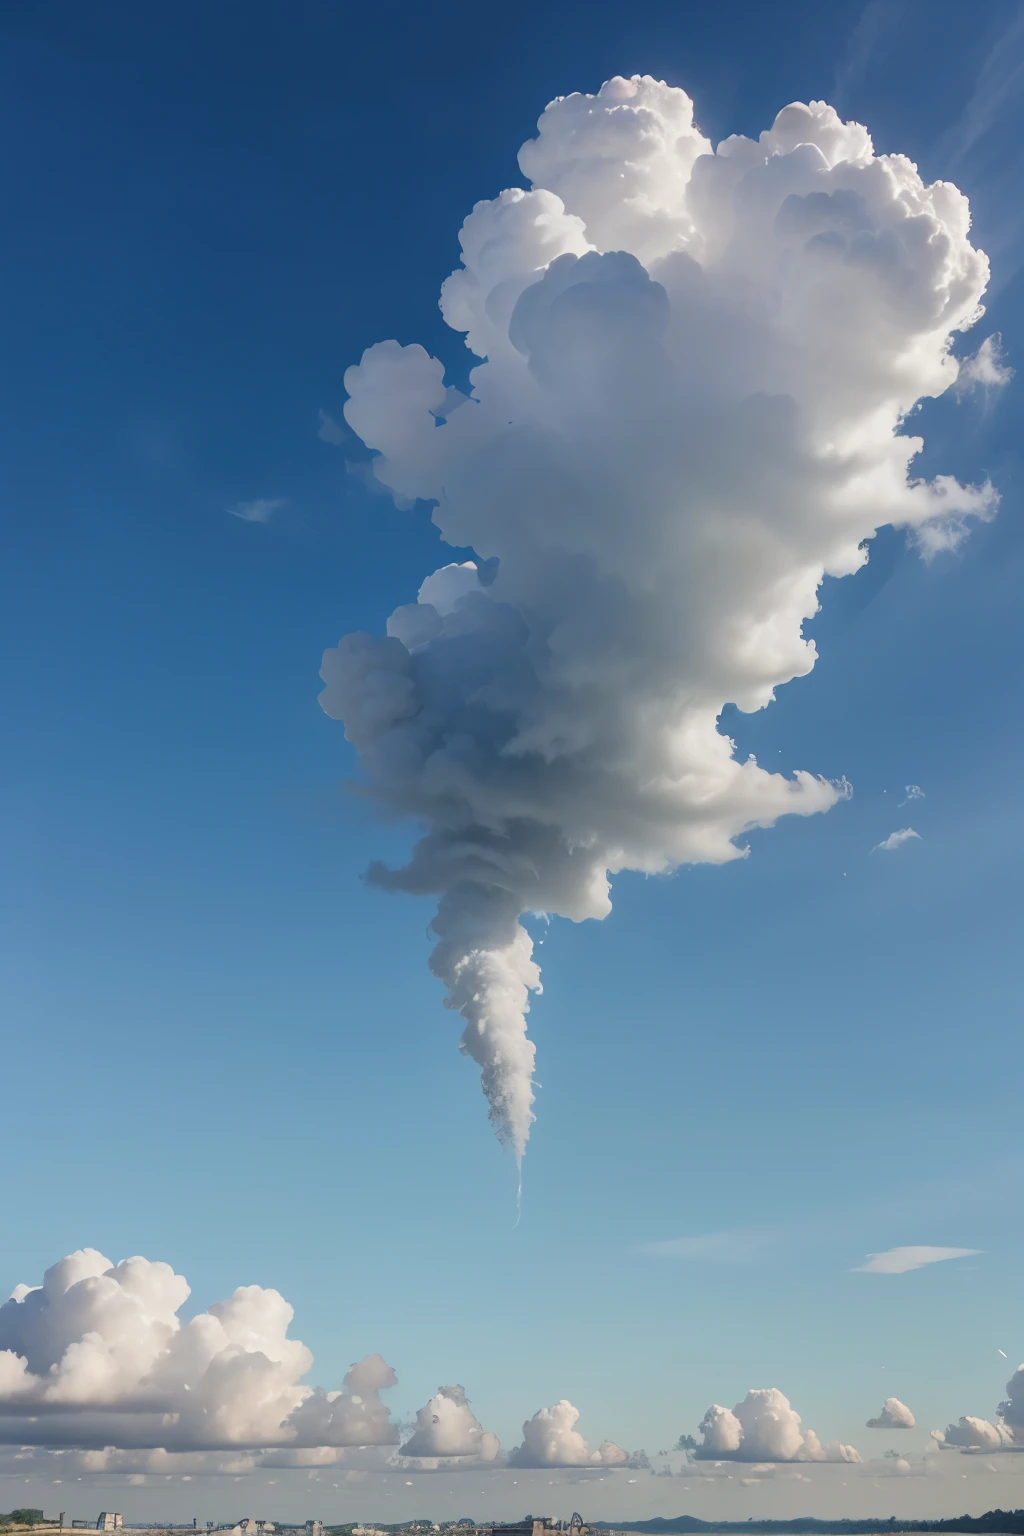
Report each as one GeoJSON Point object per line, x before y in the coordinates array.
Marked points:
{"type": "Point", "coordinates": [551, 1439]}
{"type": "Point", "coordinates": [987, 369]}
{"type": "Point", "coordinates": [764, 1427]}
{"type": "Point", "coordinates": [899, 1261]}
{"type": "Point", "coordinates": [896, 840]}
{"type": "Point", "coordinates": [447, 1427]}
{"type": "Point", "coordinates": [259, 511]}
{"type": "Point", "coordinates": [97, 1356]}
{"type": "Point", "coordinates": [894, 1415]}
{"type": "Point", "coordinates": [911, 792]}
{"type": "Point", "coordinates": [695, 367]}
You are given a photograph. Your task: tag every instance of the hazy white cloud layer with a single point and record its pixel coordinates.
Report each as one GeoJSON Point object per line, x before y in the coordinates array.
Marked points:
{"type": "Point", "coordinates": [894, 1415]}
{"type": "Point", "coordinates": [695, 365]}
{"type": "Point", "coordinates": [899, 1261]}
{"type": "Point", "coordinates": [764, 1427]}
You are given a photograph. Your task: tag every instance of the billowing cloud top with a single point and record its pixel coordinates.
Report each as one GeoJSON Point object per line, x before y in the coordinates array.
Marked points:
{"type": "Point", "coordinates": [446, 1426]}
{"type": "Point", "coordinates": [894, 1415]}
{"type": "Point", "coordinates": [551, 1439]}
{"type": "Point", "coordinates": [695, 366]}
{"type": "Point", "coordinates": [764, 1427]}
{"type": "Point", "coordinates": [97, 1356]}
{"type": "Point", "coordinates": [96, 1359]}
{"type": "Point", "coordinates": [1004, 1432]}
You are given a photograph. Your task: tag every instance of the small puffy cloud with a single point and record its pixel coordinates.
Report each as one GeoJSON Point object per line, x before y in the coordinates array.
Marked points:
{"type": "Point", "coordinates": [97, 1357]}
{"type": "Point", "coordinates": [447, 1427]}
{"type": "Point", "coordinates": [911, 792]}
{"type": "Point", "coordinates": [331, 431]}
{"type": "Point", "coordinates": [764, 1427]}
{"type": "Point", "coordinates": [987, 369]}
{"type": "Point", "coordinates": [899, 1261]}
{"type": "Point", "coordinates": [551, 1439]}
{"type": "Point", "coordinates": [259, 511]}
{"type": "Point", "coordinates": [896, 840]}
{"type": "Point", "coordinates": [444, 588]}
{"type": "Point", "coordinates": [894, 1415]}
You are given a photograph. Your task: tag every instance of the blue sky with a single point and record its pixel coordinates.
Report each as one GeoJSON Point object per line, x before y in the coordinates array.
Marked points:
{"type": "Point", "coordinates": [224, 1050]}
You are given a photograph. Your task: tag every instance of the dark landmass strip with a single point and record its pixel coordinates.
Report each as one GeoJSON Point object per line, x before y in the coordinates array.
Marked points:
{"type": "Point", "coordinates": [1008, 1521]}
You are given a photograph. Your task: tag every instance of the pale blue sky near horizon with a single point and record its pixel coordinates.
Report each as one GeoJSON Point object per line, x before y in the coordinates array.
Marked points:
{"type": "Point", "coordinates": [222, 1048]}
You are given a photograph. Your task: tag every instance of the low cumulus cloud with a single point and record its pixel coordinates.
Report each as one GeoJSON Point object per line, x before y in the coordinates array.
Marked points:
{"type": "Point", "coordinates": [97, 1367]}
{"type": "Point", "coordinates": [894, 1415]}
{"type": "Point", "coordinates": [446, 1427]}
{"type": "Point", "coordinates": [896, 840]}
{"type": "Point", "coordinates": [1003, 1432]}
{"type": "Point", "coordinates": [764, 1427]}
{"type": "Point", "coordinates": [973, 1434]}
{"type": "Point", "coordinates": [551, 1439]}
{"type": "Point", "coordinates": [694, 368]}
{"type": "Point", "coordinates": [97, 1357]}
{"type": "Point", "coordinates": [900, 1261]}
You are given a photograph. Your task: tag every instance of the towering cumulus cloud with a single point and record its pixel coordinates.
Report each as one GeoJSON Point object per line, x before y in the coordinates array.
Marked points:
{"type": "Point", "coordinates": [764, 1427]}
{"type": "Point", "coordinates": [695, 365]}
{"type": "Point", "coordinates": [448, 1427]}
{"type": "Point", "coordinates": [551, 1439]}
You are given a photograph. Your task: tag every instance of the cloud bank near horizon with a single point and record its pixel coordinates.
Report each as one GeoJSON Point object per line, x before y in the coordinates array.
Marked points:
{"type": "Point", "coordinates": [696, 367]}
{"type": "Point", "coordinates": [96, 1361]}
{"type": "Point", "coordinates": [1003, 1432]}
{"type": "Point", "coordinates": [96, 1356]}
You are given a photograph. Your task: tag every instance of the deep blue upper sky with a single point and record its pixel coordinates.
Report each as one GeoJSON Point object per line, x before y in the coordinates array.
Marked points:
{"type": "Point", "coordinates": [222, 1048]}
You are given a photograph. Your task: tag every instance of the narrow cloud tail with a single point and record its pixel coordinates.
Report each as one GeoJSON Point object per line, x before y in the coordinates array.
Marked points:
{"type": "Point", "coordinates": [484, 958]}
